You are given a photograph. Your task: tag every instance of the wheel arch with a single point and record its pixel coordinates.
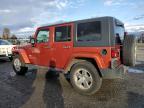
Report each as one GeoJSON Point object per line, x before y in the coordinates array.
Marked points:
{"type": "Point", "coordinates": [22, 53]}
{"type": "Point", "coordinates": [81, 59]}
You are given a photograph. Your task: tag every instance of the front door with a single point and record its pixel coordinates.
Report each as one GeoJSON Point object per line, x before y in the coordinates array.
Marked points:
{"type": "Point", "coordinates": [62, 46]}
{"type": "Point", "coordinates": [43, 47]}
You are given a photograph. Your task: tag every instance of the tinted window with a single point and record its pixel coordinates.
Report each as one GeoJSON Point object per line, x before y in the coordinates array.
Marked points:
{"type": "Point", "coordinates": [63, 33]}
{"type": "Point", "coordinates": [4, 42]}
{"type": "Point", "coordinates": [119, 33]}
{"type": "Point", "coordinates": [89, 31]}
{"type": "Point", "coordinates": [43, 36]}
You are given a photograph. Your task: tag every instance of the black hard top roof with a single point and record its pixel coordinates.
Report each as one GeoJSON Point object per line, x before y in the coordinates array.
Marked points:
{"type": "Point", "coordinates": [83, 20]}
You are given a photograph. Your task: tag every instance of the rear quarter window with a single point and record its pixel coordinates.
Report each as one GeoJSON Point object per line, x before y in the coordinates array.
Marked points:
{"type": "Point", "coordinates": [89, 31]}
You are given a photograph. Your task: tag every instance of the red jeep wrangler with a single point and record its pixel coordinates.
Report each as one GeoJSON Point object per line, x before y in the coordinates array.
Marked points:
{"type": "Point", "coordinates": [89, 50]}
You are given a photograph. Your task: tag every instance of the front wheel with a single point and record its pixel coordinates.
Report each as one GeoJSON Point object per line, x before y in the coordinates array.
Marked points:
{"type": "Point", "coordinates": [85, 78]}
{"type": "Point", "coordinates": [18, 66]}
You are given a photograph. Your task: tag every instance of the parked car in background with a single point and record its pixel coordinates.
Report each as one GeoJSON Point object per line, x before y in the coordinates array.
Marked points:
{"type": "Point", "coordinates": [6, 49]}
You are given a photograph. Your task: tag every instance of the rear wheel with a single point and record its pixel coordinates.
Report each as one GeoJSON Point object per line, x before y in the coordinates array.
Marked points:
{"type": "Point", "coordinates": [85, 78]}
{"type": "Point", "coordinates": [18, 66]}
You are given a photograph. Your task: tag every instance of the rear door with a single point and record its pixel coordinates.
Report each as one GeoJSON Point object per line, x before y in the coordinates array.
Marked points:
{"type": "Point", "coordinates": [62, 46]}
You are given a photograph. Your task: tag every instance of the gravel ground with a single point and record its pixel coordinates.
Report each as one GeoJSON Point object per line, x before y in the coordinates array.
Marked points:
{"type": "Point", "coordinates": [35, 91]}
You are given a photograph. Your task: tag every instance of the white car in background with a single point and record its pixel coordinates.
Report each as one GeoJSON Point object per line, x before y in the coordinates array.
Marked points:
{"type": "Point", "coordinates": [6, 49]}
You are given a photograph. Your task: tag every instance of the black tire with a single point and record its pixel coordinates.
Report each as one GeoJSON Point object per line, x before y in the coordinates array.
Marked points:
{"type": "Point", "coordinates": [129, 50]}
{"type": "Point", "coordinates": [23, 69]}
{"type": "Point", "coordinates": [90, 68]}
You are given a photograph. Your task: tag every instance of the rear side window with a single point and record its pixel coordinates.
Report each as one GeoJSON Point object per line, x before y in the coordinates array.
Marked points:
{"type": "Point", "coordinates": [89, 31]}
{"type": "Point", "coordinates": [63, 33]}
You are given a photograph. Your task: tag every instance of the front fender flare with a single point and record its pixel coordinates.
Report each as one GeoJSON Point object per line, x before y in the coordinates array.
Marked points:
{"type": "Point", "coordinates": [23, 55]}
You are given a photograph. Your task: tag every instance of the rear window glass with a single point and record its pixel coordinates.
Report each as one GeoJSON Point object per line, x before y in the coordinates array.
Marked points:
{"type": "Point", "coordinates": [4, 42]}
{"type": "Point", "coordinates": [89, 31]}
{"type": "Point", "coordinates": [119, 33]}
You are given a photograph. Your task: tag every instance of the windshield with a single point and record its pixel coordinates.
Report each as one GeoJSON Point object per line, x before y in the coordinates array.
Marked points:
{"type": "Point", "coordinates": [4, 42]}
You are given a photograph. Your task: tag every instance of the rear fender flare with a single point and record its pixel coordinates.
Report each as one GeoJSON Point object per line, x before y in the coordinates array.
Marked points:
{"type": "Point", "coordinates": [80, 58]}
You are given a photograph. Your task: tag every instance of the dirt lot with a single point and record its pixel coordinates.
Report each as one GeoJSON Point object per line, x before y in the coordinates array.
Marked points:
{"type": "Point", "coordinates": [34, 91]}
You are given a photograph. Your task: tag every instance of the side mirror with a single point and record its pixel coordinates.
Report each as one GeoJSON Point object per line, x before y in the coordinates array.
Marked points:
{"type": "Point", "coordinates": [32, 41]}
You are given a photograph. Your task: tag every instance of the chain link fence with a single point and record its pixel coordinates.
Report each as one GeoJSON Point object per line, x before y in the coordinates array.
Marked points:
{"type": "Point", "coordinates": [21, 38]}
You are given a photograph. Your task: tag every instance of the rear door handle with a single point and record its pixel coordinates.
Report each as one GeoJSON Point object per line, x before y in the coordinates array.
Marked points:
{"type": "Point", "coordinates": [66, 47]}
{"type": "Point", "coordinates": [47, 47]}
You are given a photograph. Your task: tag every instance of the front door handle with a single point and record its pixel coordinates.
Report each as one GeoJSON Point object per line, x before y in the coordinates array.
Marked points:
{"type": "Point", "coordinates": [66, 47]}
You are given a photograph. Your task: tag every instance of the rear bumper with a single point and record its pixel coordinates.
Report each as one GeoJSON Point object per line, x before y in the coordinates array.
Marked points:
{"type": "Point", "coordinates": [119, 72]}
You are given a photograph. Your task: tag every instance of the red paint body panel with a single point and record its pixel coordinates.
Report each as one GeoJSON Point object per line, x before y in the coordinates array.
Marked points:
{"type": "Point", "coordinates": [62, 50]}
{"type": "Point", "coordinates": [24, 56]}
{"type": "Point", "coordinates": [103, 61]}
{"type": "Point", "coordinates": [60, 54]}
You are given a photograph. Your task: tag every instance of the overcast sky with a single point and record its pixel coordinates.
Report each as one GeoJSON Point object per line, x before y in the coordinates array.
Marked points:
{"type": "Point", "coordinates": [26, 15]}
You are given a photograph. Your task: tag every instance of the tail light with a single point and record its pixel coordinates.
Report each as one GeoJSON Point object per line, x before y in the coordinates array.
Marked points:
{"type": "Point", "coordinates": [14, 48]}
{"type": "Point", "coordinates": [115, 53]}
